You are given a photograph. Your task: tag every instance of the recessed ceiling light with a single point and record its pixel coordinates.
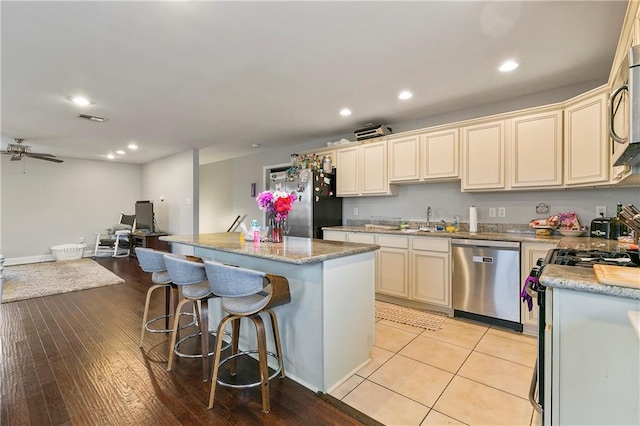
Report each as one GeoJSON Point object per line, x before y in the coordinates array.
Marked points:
{"type": "Point", "coordinates": [508, 66]}
{"type": "Point", "coordinates": [79, 100]}
{"type": "Point", "coordinates": [132, 146]}
{"type": "Point", "coordinates": [111, 156]}
{"type": "Point", "coordinates": [120, 152]}
{"type": "Point", "coordinates": [345, 112]}
{"type": "Point", "coordinates": [405, 95]}
{"type": "Point", "coordinates": [255, 145]}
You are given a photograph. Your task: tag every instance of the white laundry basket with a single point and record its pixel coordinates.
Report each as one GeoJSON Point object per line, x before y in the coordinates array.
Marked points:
{"type": "Point", "coordinates": [68, 251]}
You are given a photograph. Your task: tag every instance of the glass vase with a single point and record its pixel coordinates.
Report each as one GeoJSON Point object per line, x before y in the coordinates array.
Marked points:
{"type": "Point", "coordinates": [276, 231]}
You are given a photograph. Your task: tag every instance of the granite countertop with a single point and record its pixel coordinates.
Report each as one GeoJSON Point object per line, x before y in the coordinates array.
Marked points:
{"type": "Point", "coordinates": [299, 251]}
{"type": "Point", "coordinates": [579, 243]}
{"type": "Point", "coordinates": [583, 279]}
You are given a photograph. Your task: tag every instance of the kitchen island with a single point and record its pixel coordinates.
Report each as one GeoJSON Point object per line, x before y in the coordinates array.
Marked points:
{"type": "Point", "coordinates": [592, 348]}
{"type": "Point", "coordinates": [328, 328]}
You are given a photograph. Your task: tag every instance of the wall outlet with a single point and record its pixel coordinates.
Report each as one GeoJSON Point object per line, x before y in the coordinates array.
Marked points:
{"type": "Point", "coordinates": [355, 211]}
{"type": "Point", "coordinates": [492, 212]}
{"type": "Point", "coordinates": [601, 211]}
{"type": "Point", "coordinates": [502, 212]}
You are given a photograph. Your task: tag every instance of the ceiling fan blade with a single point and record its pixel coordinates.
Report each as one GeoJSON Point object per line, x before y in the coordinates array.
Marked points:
{"type": "Point", "coordinates": [5, 152]}
{"type": "Point", "coordinates": [16, 158]}
{"type": "Point", "coordinates": [47, 157]}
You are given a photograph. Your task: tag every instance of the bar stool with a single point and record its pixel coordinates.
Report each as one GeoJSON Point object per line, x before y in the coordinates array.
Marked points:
{"type": "Point", "coordinates": [245, 294]}
{"type": "Point", "coordinates": [153, 261]}
{"type": "Point", "coordinates": [191, 278]}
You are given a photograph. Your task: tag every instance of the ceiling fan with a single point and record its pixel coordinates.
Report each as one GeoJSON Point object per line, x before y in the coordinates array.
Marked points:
{"type": "Point", "coordinates": [18, 151]}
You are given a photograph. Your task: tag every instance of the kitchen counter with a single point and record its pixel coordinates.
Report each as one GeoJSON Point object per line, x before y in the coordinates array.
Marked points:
{"type": "Point", "coordinates": [331, 284]}
{"type": "Point", "coordinates": [579, 243]}
{"type": "Point", "coordinates": [583, 279]}
{"type": "Point", "coordinates": [299, 251]}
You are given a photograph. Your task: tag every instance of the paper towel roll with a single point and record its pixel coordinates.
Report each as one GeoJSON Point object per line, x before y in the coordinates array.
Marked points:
{"type": "Point", "coordinates": [473, 219]}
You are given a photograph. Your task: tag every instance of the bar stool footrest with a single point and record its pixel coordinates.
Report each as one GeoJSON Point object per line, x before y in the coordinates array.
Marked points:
{"type": "Point", "coordinates": [176, 348]}
{"type": "Point", "coordinates": [148, 328]}
{"type": "Point", "coordinates": [249, 385]}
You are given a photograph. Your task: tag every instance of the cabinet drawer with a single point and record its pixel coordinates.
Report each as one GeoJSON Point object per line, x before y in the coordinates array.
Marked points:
{"type": "Point", "coordinates": [431, 244]}
{"type": "Point", "coordinates": [357, 237]}
{"type": "Point", "coordinates": [393, 241]}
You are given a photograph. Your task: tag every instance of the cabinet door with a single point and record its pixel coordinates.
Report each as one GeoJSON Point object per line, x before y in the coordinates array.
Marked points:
{"type": "Point", "coordinates": [431, 277]}
{"type": "Point", "coordinates": [347, 182]}
{"type": "Point", "coordinates": [439, 155]}
{"type": "Point", "coordinates": [374, 168]}
{"type": "Point", "coordinates": [586, 141]}
{"type": "Point", "coordinates": [334, 236]}
{"type": "Point", "coordinates": [393, 272]}
{"type": "Point", "coordinates": [536, 150]}
{"type": "Point", "coordinates": [530, 254]}
{"type": "Point", "coordinates": [483, 156]}
{"type": "Point", "coordinates": [403, 159]}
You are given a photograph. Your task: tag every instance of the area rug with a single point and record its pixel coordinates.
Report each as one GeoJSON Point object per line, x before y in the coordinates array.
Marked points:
{"type": "Point", "coordinates": [47, 278]}
{"type": "Point", "coordinates": [415, 317]}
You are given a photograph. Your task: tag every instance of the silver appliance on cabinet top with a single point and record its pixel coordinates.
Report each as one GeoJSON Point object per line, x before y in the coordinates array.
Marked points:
{"type": "Point", "coordinates": [316, 205]}
{"type": "Point", "coordinates": [486, 281]}
{"type": "Point", "coordinates": [631, 154]}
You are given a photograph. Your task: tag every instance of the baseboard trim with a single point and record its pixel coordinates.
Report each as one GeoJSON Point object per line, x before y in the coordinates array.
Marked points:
{"type": "Point", "coordinates": [9, 261]}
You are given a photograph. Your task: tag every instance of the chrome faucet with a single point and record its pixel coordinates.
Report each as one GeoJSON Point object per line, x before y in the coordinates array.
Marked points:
{"type": "Point", "coordinates": [428, 216]}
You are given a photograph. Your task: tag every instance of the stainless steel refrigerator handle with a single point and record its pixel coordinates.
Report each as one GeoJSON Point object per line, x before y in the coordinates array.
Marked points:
{"type": "Point", "coordinates": [612, 131]}
{"type": "Point", "coordinates": [532, 389]}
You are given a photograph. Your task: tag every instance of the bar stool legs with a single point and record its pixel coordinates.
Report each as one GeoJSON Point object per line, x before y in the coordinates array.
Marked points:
{"type": "Point", "coordinates": [262, 355]}
{"type": "Point", "coordinates": [171, 293]}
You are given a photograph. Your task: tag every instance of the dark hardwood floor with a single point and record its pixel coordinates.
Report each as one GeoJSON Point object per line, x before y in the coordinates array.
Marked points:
{"type": "Point", "coordinates": [74, 359]}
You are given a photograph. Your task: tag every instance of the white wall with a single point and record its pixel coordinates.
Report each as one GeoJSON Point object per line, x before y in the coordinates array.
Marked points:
{"type": "Point", "coordinates": [176, 178]}
{"type": "Point", "coordinates": [45, 204]}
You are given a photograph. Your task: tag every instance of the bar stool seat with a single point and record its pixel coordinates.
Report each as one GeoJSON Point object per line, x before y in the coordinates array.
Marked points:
{"type": "Point", "coordinates": [152, 261]}
{"type": "Point", "coordinates": [245, 294]}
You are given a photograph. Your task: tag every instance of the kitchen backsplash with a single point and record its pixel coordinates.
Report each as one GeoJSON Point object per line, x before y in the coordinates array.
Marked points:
{"type": "Point", "coordinates": [446, 201]}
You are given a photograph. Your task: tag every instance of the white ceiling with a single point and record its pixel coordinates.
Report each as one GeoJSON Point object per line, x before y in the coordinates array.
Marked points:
{"type": "Point", "coordinates": [179, 75]}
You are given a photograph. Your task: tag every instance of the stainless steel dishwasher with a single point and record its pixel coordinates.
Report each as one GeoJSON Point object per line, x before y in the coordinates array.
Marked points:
{"type": "Point", "coordinates": [486, 281]}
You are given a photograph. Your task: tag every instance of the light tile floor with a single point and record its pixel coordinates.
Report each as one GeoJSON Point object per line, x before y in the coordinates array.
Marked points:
{"type": "Point", "coordinates": [464, 373]}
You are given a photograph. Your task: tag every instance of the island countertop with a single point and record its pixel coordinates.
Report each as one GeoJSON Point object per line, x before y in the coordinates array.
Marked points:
{"type": "Point", "coordinates": [299, 251]}
{"type": "Point", "coordinates": [583, 279]}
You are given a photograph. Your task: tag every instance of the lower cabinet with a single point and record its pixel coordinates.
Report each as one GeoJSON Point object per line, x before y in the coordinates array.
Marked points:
{"type": "Point", "coordinates": [414, 270]}
{"type": "Point", "coordinates": [530, 253]}
{"type": "Point", "coordinates": [393, 265]}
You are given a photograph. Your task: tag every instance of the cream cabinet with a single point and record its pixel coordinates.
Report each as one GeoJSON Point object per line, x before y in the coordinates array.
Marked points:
{"type": "Point", "coordinates": [483, 155]}
{"type": "Point", "coordinates": [439, 155]}
{"type": "Point", "coordinates": [363, 170]}
{"type": "Point", "coordinates": [431, 271]}
{"type": "Point", "coordinates": [529, 255]}
{"type": "Point", "coordinates": [536, 150]}
{"type": "Point", "coordinates": [334, 236]}
{"type": "Point", "coordinates": [586, 141]}
{"type": "Point", "coordinates": [404, 162]}
{"type": "Point", "coordinates": [348, 178]}
{"type": "Point", "coordinates": [393, 265]}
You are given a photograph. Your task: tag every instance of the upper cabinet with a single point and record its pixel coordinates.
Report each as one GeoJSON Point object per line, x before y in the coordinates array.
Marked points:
{"type": "Point", "coordinates": [483, 148]}
{"type": "Point", "coordinates": [404, 161]}
{"type": "Point", "coordinates": [363, 170]}
{"type": "Point", "coordinates": [536, 150]}
{"type": "Point", "coordinates": [439, 155]}
{"type": "Point", "coordinates": [586, 141]}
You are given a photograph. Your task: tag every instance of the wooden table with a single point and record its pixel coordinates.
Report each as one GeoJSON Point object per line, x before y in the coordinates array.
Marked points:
{"type": "Point", "coordinates": [149, 240]}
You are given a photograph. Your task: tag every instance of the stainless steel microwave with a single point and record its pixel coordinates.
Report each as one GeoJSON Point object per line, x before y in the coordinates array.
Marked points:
{"type": "Point", "coordinates": [631, 141]}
